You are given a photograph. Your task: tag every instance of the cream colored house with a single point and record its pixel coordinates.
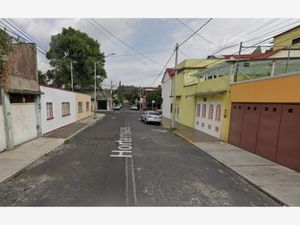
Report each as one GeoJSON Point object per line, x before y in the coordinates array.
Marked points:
{"type": "Point", "coordinates": [83, 106]}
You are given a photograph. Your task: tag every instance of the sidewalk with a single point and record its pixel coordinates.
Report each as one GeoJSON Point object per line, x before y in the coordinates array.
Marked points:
{"type": "Point", "coordinates": [15, 161]}
{"type": "Point", "coordinates": [277, 181]}
{"type": "Point", "coordinates": [188, 133]}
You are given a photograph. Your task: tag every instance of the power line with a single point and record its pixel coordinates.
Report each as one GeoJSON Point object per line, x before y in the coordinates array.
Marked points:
{"type": "Point", "coordinates": [240, 36]}
{"type": "Point", "coordinates": [237, 35]}
{"type": "Point", "coordinates": [10, 22]}
{"type": "Point", "coordinates": [123, 42]}
{"type": "Point", "coordinates": [115, 43]}
{"type": "Point", "coordinates": [163, 69]}
{"type": "Point", "coordinates": [183, 53]}
{"type": "Point", "coordinates": [201, 36]}
{"type": "Point", "coordinates": [5, 27]}
{"type": "Point", "coordinates": [269, 39]}
{"type": "Point", "coordinates": [259, 38]}
{"type": "Point", "coordinates": [151, 52]}
{"type": "Point", "coordinates": [195, 32]}
{"type": "Point", "coordinates": [274, 32]}
{"type": "Point", "coordinates": [26, 39]}
{"type": "Point", "coordinates": [252, 31]}
{"type": "Point", "coordinates": [253, 38]}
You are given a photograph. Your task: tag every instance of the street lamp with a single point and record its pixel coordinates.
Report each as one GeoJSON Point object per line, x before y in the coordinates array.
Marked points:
{"type": "Point", "coordinates": [95, 94]}
{"type": "Point", "coordinates": [153, 101]}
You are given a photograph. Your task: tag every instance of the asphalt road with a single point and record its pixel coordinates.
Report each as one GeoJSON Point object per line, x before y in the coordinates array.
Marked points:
{"type": "Point", "coordinates": [164, 170]}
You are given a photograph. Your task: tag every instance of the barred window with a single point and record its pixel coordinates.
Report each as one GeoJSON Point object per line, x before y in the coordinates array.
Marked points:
{"type": "Point", "coordinates": [203, 110]}
{"type": "Point", "coordinates": [87, 106]}
{"type": "Point", "coordinates": [65, 108]}
{"type": "Point", "coordinates": [211, 112]}
{"type": "Point", "coordinates": [198, 110]}
{"type": "Point", "coordinates": [49, 107]}
{"type": "Point", "coordinates": [218, 113]}
{"type": "Point", "coordinates": [80, 107]}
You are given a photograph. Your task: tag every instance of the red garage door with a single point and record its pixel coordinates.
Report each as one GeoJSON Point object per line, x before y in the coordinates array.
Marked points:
{"type": "Point", "coordinates": [269, 130]}
{"type": "Point", "coordinates": [236, 120]}
{"type": "Point", "coordinates": [288, 152]}
{"type": "Point", "coordinates": [250, 127]}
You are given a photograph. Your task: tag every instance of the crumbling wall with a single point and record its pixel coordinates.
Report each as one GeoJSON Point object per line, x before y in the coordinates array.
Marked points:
{"type": "Point", "coordinates": [22, 67]}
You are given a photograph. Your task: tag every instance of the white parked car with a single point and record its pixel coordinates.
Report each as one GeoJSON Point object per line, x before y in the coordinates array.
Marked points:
{"type": "Point", "coordinates": [151, 117]}
{"type": "Point", "coordinates": [134, 107]}
{"type": "Point", "coordinates": [116, 107]}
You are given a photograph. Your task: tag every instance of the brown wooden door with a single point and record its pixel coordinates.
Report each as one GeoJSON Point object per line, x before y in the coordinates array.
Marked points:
{"type": "Point", "coordinates": [288, 151]}
{"type": "Point", "coordinates": [268, 130]}
{"type": "Point", "coordinates": [235, 127]}
{"type": "Point", "coordinates": [250, 127]}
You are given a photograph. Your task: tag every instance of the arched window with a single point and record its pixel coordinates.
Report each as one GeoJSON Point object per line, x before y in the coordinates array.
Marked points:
{"type": "Point", "coordinates": [211, 111]}
{"type": "Point", "coordinates": [203, 110]}
{"type": "Point", "coordinates": [218, 113]}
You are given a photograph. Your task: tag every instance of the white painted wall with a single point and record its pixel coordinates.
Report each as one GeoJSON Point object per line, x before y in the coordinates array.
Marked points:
{"type": "Point", "coordinates": [23, 122]}
{"type": "Point", "coordinates": [165, 94]}
{"type": "Point", "coordinates": [2, 132]}
{"type": "Point", "coordinates": [208, 125]}
{"type": "Point", "coordinates": [56, 96]}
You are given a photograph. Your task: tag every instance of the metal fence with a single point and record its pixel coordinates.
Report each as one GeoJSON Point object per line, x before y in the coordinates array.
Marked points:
{"type": "Point", "coordinates": [251, 69]}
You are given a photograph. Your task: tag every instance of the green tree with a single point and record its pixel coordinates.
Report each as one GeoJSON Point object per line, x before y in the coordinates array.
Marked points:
{"type": "Point", "coordinates": [116, 101]}
{"type": "Point", "coordinates": [43, 79]}
{"type": "Point", "coordinates": [128, 92]}
{"type": "Point", "coordinates": [156, 96]}
{"type": "Point", "coordinates": [77, 47]}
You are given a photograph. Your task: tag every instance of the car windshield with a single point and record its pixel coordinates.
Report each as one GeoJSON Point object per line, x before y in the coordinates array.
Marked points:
{"type": "Point", "coordinates": [153, 113]}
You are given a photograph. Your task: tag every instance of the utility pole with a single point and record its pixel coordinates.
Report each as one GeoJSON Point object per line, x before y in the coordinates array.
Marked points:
{"type": "Point", "coordinates": [288, 59]}
{"type": "Point", "coordinates": [95, 96]}
{"type": "Point", "coordinates": [71, 65]}
{"type": "Point", "coordinates": [273, 65]}
{"type": "Point", "coordinates": [140, 102]}
{"type": "Point", "coordinates": [238, 63]}
{"type": "Point", "coordinates": [111, 93]}
{"type": "Point", "coordinates": [174, 88]}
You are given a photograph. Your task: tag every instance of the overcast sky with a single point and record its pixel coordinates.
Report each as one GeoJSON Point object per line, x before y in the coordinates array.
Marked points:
{"type": "Point", "coordinates": [155, 38]}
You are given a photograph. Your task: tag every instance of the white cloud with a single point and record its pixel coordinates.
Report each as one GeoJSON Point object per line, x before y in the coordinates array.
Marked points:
{"type": "Point", "coordinates": [129, 70]}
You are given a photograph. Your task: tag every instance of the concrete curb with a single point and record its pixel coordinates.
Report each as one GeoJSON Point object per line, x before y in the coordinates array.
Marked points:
{"type": "Point", "coordinates": [85, 127]}
{"type": "Point", "coordinates": [240, 175]}
{"type": "Point", "coordinates": [183, 137]}
{"type": "Point", "coordinates": [186, 139]}
{"type": "Point", "coordinates": [20, 171]}
{"type": "Point", "coordinates": [245, 178]}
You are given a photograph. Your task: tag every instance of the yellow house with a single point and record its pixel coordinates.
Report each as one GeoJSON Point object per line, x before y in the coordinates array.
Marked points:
{"type": "Point", "coordinates": [202, 97]}
{"type": "Point", "coordinates": [83, 106]}
{"type": "Point", "coordinates": [211, 99]}
{"type": "Point", "coordinates": [186, 88]}
{"type": "Point", "coordinates": [288, 38]}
